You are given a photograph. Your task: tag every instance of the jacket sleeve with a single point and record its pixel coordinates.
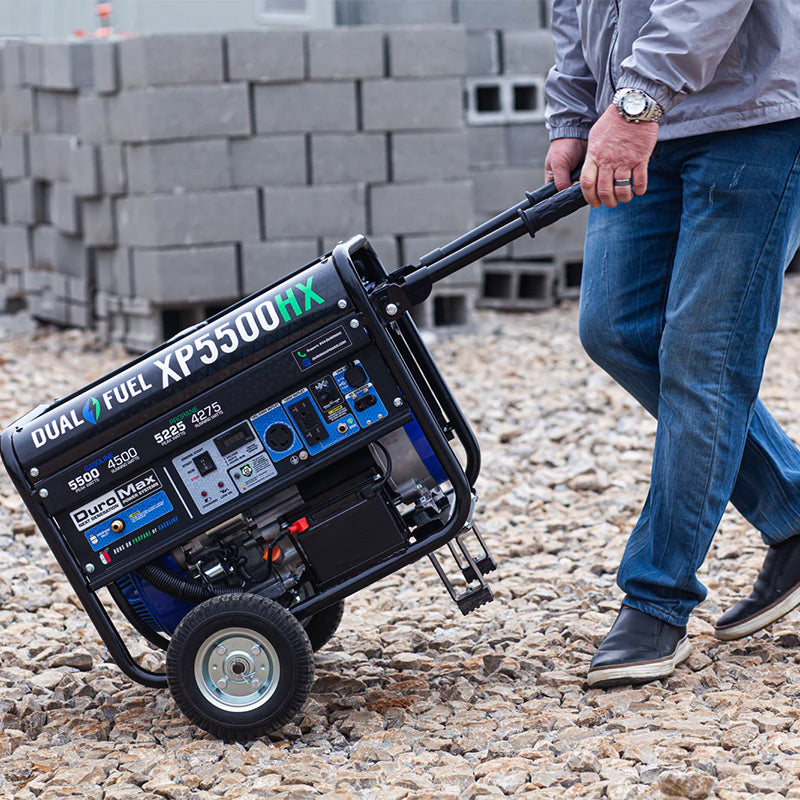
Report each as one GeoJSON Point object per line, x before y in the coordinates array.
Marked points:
{"type": "Point", "coordinates": [680, 47]}
{"type": "Point", "coordinates": [570, 87]}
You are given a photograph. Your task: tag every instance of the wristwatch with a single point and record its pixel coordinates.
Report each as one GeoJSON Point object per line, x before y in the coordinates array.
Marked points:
{"type": "Point", "coordinates": [634, 105]}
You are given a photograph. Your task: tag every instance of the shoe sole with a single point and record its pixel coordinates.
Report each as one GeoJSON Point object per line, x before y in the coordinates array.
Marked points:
{"type": "Point", "coordinates": [758, 621]}
{"type": "Point", "coordinates": [639, 671]}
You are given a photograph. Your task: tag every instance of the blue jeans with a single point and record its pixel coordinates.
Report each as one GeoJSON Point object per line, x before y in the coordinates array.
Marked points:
{"type": "Point", "coordinates": [679, 302]}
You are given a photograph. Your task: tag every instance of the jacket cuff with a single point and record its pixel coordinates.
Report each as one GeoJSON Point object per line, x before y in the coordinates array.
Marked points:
{"type": "Point", "coordinates": [570, 132]}
{"type": "Point", "coordinates": [665, 97]}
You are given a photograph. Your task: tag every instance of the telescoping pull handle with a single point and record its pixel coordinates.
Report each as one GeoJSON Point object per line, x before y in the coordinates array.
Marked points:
{"type": "Point", "coordinates": [410, 285]}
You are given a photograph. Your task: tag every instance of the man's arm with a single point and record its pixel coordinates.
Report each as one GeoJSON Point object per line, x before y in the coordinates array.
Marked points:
{"type": "Point", "coordinates": [676, 54]}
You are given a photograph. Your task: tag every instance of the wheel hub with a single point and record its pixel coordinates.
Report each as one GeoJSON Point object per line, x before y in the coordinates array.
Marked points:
{"type": "Point", "coordinates": [237, 669]}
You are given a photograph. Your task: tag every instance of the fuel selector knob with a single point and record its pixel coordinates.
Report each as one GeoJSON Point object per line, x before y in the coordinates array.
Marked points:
{"type": "Point", "coordinates": [355, 376]}
{"type": "Point", "coordinates": [279, 437]}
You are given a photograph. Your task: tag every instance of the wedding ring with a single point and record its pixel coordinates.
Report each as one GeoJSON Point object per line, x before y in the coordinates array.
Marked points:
{"type": "Point", "coordinates": [623, 182]}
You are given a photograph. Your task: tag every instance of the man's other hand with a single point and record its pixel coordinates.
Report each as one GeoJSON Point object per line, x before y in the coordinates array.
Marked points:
{"type": "Point", "coordinates": [563, 157]}
{"type": "Point", "coordinates": [617, 151]}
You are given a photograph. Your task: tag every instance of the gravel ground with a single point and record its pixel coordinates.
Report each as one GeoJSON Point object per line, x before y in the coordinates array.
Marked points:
{"type": "Point", "coordinates": [411, 699]}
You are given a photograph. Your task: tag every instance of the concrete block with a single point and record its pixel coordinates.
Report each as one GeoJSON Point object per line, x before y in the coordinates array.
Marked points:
{"type": "Point", "coordinates": [265, 56]}
{"type": "Point", "coordinates": [174, 166]}
{"type": "Point", "coordinates": [396, 105]}
{"type": "Point", "coordinates": [162, 58]}
{"type": "Point", "coordinates": [14, 156]}
{"type": "Point", "coordinates": [32, 59]}
{"type": "Point", "coordinates": [21, 206]}
{"type": "Point", "coordinates": [79, 315]}
{"type": "Point", "coordinates": [53, 250]}
{"type": "Point", "coordinates": [113, 176]}
{"type": "Point", "coordinates": [143, 332]}
{"type": "Point", "coordinates": [302, 211]}
{"type": "Point", "coordinates": [48, 111]}
{"type": "Point", "coordinates": [84, 173]}
{"type": "Point", "coordinates": [188, 219]}
{"type": "Point", "coordinates": [420, 156]}
{"type": "Point", "coordinates": [79, 291]}
{"type": "Point", "coordinates": [569, 268]}
{"type": "Point", "coordinates": [64, 210]}
{"type": "Point", "coordinates": [13, 61]}
{"type": "Point", "coordinates": [113, 273]}
{"type": "Point", "coordinates": [263, 263]}
{"type": "Point", "coordinates": [498, 189]}
{"type": "Point", "coordinates": [505, 99]}
{"type": "Point", "coordinates": [483, 53]}
{"type": "Point", "coordinates": [94, 118]}
{"type": "Point", "coordinates": [99, 228]}
{"type": "Point", "coordinates": [346, 53]}
{"type": "Point", "coordinates": [339, 158]}
{"type": "Point", "coordinates": [301, 107]}
{"type": "Point", "coordinates": [186, 274]}
{"type": "Point", "coordinates": [447, 307]}
{"type": "Point", "coordinates": [527, 52]}
{"type": "Point", "coordinates": [427, 51]}
{"type": "Point", "coordinates": [487, 146]}
{"type": "Point", "coordinates": [19, 109]}
{"type": "Point", "coordinates": [517, 286]}
{"type": "Point", "coordinates": [527, 144]}
{"type": "Point", "coordinates": [17, 247]}
{"type": "Point", "coordinates": [177, 112]}
{"type": "Point", "coordinates": [510, 14]}
{"type": "Point", "coordinates": [67, 64]}
{"type": "Point", "coordinates": [105, 65]}
{"type": "Point", "coordinates": [51, 156]}
{"type": "Point", "coordinates": [421, 207]}
{"type": "Point", "coordinates": [395, 12]}
{"type": "Point", "coordinates": [269, 160]}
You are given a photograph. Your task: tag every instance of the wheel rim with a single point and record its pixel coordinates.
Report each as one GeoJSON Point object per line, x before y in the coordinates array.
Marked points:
{"type": "Point", "coordinates": [237, 669]}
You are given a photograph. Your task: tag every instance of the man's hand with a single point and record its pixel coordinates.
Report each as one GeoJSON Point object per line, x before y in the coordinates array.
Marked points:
{"type": "Point", "coordinates": [563, 156]}
{"type": "Point", "coordinates": [618, 150]}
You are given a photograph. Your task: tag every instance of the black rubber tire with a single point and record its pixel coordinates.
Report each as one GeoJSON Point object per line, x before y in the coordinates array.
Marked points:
{"type": "Point", "coordinates": [252, 613]}
{"type": "Point", "coordinates": [321, 626]}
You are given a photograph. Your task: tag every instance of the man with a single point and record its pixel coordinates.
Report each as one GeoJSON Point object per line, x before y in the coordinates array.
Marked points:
{"type": "Point", "coordinates": [694, 106]}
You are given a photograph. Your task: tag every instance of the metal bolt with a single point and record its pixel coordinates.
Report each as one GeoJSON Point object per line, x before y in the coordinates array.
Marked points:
{"type": "Point", "coordinates": [222, 683]}
{"type": "Point", "coordinates": [89, 568]}
{"type": "Point", "coordinates": [255, 683]}
{"type": "Point", "coordinates": [221, 649]}
{"type": "Point", "coordinates": [353, 323]}
{"type": "Point", "coordinates": [342, 303]}
{"type": "Point", "coordinates": [34, 473]}
{"type": "Point", "coordinates": [43, 493]}
{"type": "Point", "coordinates": [391, 309]}
{"type": "Point", "coordinates": [255, 649]}
{"type": "Point", "coordinates": [398, 401]}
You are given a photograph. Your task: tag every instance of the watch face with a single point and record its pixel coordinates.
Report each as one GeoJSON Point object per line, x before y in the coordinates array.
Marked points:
{"type": "Point", "coordinates": [634, 104]}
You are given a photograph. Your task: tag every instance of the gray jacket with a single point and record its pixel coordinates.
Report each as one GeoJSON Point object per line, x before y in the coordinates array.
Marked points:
{"type": "Point", "coordinates": [712, 64]}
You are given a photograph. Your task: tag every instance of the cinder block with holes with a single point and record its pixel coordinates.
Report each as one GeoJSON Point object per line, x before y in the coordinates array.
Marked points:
{"type": "Point", "coordinates": [300, 107]}
{"type": "Point", "coordinates": [161, 59]}
{"type": "Point", "coordinates": [186, 274]}
{"type": "Point", "coordinates": [427, 51]}
{"type": "Point", "coordinates": [265, 56]}
{"type": "Point", "coordinates": [342, 158]}
{"type": "Point", "coordinates": [345, 53]}
{"type": "Point", "coordinates": [569, 269]}
{"type": "Point", "coordinates": [518, 285]}
{"type": "Point", "coordinates": [505, 99]}
{"type": "Point", "coordinates": [411, 104]}
{"type": "Point", "coordinates": [264, 263]}
{"type": "Point", "coordinates": [446, 307]}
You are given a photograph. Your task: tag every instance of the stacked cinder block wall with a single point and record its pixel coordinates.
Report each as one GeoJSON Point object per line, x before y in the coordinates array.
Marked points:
{"type": "Point", "coordinates": [150, 181]}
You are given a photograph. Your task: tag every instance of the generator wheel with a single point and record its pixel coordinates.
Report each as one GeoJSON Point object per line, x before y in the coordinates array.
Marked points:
{"type": "Point", "coordinates": [321, 626]}
{"type": "Point", "coordinates": [239, 666]}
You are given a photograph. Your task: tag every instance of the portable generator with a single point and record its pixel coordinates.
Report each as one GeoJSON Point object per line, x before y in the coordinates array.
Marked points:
{"type": "Point", "coordinates": [230, 488]}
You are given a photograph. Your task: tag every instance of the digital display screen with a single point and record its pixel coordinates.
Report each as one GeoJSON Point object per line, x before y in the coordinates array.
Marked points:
{"type": "Point", "coordinates": [234, 439]}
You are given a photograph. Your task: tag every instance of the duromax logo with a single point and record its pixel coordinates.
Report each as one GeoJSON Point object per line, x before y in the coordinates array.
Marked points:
{"type": "Point", "coordinates": [91, 411]}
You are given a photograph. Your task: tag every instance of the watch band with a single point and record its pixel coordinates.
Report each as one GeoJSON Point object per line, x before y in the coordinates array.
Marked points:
{"type": "Point", "coordinates": [647, 108]}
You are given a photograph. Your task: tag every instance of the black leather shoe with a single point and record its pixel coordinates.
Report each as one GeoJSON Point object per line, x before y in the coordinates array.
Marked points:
{"type": "Point", "coordinates": [638, 648]}
{"type": "Point", "coordinates": [775, 593]}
